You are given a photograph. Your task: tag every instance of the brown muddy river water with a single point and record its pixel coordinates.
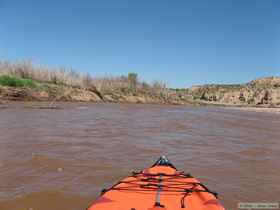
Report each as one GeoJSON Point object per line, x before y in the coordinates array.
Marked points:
{"type": "Point", "coordinates": [61, 159]}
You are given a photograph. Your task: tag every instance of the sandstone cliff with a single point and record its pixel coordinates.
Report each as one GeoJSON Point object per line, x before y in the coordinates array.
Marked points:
{"type": "Point", "coordinates": [263, 92]}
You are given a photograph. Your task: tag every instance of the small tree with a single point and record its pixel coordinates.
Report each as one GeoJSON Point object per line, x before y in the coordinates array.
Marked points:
{"type": "Point", "coordinates": [132, 80]}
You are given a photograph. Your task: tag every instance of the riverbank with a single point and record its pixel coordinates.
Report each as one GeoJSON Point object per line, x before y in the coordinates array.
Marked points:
{"type": "Point", "coordinates": [55, 93]}
{"type": "Point", "coordinates": [26, 82]}
{"type": "Point", "coordinates": [50, 95]}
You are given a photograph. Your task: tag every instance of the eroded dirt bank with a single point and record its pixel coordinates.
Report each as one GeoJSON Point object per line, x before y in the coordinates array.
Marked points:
{"type": "Point", "coordinates": [264, 92]}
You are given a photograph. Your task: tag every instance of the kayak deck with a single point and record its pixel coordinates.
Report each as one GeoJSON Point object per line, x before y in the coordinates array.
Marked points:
{"type": "Point", "coordinates": [160, 187]}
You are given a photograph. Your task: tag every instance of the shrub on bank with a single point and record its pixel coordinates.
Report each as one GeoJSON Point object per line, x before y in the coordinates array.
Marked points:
{"type": "Point", "coordinates": [12, 81]}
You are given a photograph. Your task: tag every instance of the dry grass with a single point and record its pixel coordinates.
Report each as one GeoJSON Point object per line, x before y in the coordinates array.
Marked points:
{"type": "Point", "coordinates": [69, 77]}
{"type": "Point", "coordinates": [110, 83]}
{"type": "Point", "coordinates": [27, 70]}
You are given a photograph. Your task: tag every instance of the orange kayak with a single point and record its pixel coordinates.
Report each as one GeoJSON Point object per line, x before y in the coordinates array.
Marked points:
{"type": "Point", "coordinates": [160, 187]}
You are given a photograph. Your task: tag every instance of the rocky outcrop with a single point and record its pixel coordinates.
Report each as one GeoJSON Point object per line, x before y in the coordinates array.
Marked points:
{"type": "Point", "coordinates": [266, 81]}
{"type": "Point", "coordinates": [263, 91]}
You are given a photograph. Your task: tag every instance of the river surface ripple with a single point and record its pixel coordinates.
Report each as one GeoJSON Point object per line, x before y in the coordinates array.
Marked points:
{"type": "Point", "coordinates": [70, 154]}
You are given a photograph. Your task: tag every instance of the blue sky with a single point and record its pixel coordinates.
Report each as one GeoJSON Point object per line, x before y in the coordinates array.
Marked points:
{"type": "Point", "coordinates": [181, 42]}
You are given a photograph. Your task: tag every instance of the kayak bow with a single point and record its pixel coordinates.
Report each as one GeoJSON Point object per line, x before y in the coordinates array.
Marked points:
{"type": "Point", "coordinates": [160, 187]}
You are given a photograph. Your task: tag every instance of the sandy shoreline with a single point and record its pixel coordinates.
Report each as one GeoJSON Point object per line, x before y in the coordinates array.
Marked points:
{"type": "Point", "coordinates": [257, 109]}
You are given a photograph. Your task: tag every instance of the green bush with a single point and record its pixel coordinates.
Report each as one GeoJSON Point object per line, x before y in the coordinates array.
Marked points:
{"type": "Point", "coordinates": [11, 81]}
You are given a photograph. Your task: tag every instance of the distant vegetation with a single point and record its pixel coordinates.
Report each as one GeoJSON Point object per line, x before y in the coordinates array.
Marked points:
{"type": "Point", "coordinates": [23, 73]}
